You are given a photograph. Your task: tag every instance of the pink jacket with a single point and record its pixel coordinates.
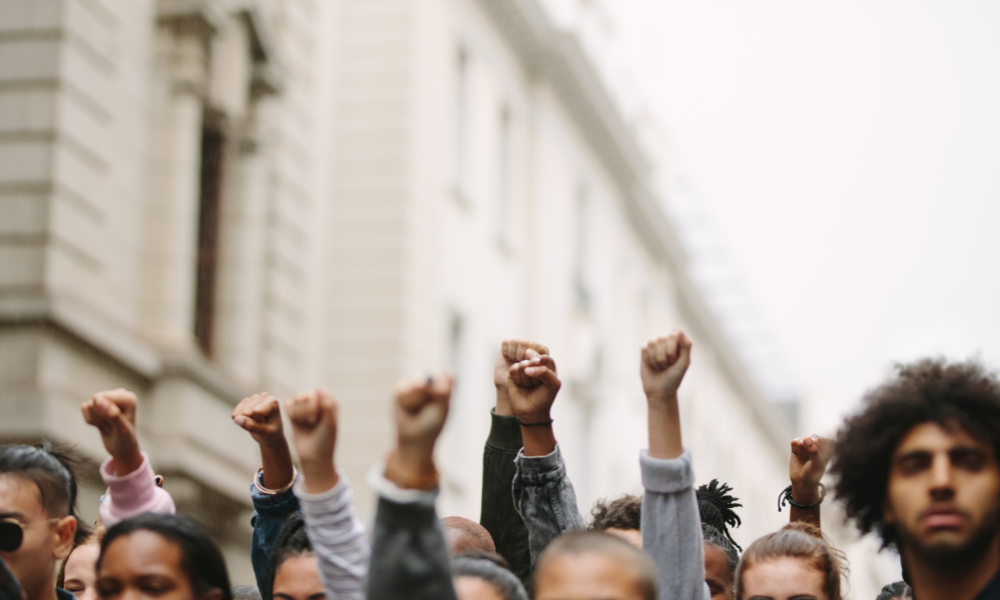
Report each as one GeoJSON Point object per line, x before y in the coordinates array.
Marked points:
{"type": "Point", "coordinates": [133, 494]}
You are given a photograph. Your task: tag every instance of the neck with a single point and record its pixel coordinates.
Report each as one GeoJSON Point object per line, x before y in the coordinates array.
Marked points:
{"type": "Point", "coordinates": [43, 592]}
{"type": "Point", "coordinates": [931, 581]}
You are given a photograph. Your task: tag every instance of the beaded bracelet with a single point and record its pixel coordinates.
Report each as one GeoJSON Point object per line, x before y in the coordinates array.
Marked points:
{"type": "Point", "coordinates": [785, 497]}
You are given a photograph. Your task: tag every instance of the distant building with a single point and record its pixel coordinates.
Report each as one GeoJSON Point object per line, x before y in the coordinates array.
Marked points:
{"type": "Point", "coordinates": [200, 199]}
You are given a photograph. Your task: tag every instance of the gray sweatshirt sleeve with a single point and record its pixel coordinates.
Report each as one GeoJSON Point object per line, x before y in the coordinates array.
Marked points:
{"type": "Point", "coordinates": [338, 539]}
{"type": "Point", "coordinates": [671, 527]}
{"type": "Point", "coordinates": [544, 496]}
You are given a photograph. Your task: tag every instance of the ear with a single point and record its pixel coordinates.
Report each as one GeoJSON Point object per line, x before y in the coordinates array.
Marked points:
{"type": "Point", "coordinates": [65, 533]}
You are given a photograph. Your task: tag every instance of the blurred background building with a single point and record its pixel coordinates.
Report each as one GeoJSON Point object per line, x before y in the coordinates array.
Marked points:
{"type": "Point", "coordinates": [201, 199]}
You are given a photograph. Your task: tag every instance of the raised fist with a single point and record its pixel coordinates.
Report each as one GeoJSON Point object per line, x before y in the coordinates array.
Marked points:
{"type": "Point", "coordinates": [807, 465]}
{"type": "Point", "coordinates": [511, 352]}
{"type": "Point", "coordinates": [421, 411]}
{"type": "Point", "coordinates": [260, 415]}
{"type": "Point", "coordinates": [664, 362]}
{"type": "Point", "coordinates": [532, 385]}
{"type": "Point", "coordinates": [313, 415]}
{"type": "Point", "coordinates": [112, 412]}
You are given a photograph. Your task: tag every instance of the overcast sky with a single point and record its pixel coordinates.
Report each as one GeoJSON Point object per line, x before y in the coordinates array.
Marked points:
{"type": "Point", "coordinates": [850, 154]}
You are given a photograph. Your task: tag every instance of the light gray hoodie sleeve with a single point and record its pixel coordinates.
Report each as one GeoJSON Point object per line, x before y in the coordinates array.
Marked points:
{"type": "Point", "coordinates": [671, 526]}
{"type": "Point", "coordinates": [544, 496]}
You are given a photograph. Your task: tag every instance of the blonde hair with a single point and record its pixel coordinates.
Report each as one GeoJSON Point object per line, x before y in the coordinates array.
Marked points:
{"type": "Point", "coordinates": [801, 541]}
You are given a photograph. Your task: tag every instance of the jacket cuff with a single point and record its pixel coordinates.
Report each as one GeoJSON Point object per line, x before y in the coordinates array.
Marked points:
{"type": "Point", "coordinates": [336, 491]}
{"type": "Point", "coordinates": [278, 505]}
{"type": "Point", "coordinates": [539, 470]}
{"type": "Point", "coordinates": [505, 432]}
{"type": "Point", "coordinates": [388, 490]}
{"type": "Point", "coordinates": [666, 476]}
{"type": "Point", "coordinates": [132, 494]}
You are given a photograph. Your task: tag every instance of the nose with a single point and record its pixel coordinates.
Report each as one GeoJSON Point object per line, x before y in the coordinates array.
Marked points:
{"type": "Point", "coordinates": [942, 480]}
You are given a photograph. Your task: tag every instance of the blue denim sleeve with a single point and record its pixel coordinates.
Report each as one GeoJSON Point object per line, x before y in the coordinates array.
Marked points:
{"type": "Point", "coordinates": [268, 517]}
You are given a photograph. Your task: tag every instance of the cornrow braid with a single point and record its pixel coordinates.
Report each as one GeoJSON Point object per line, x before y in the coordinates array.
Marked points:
{"type": "Point", "coordinates": [291, 541]}
{"type": "Point", "coordinates": [716, 507]}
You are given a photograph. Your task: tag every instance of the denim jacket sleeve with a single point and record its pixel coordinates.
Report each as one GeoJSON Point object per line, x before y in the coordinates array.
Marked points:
{"type": "Point", "coordinates": [409, 555]}
{"type": "Point", "coordinates": [545, 499]}
{"type": "Point", "coordinates": [499, 515]}
{"type": "Point", "coordinates": [268, 517]}
{"type": "Point", "coordinates": [671, 527]}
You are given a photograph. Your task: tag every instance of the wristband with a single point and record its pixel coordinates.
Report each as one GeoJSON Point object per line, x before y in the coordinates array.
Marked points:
{"type": "Point", "coordinates": [541, 424]}
{"type": "Point", "coordinates": [267, 492]}
{"type": "Point", "coordinates": [785, 497]}
{"type": "Point", "coordinates": [427, 482]}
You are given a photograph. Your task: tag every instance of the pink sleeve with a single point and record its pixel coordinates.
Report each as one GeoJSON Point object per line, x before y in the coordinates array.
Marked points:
{"type": "Point", "coordinates": [133, 494]}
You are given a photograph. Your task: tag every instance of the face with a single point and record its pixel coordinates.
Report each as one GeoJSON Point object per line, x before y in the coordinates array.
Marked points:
{"type": "Point", "coordinates": [143, 565]}
{"type": "Point", "coordinates": [298, 579]}
{"type": "Point", "coordinates": [44, 543]}
{"type": "Point", "coordinates": [784, 578]}
{"type": "Point", "coordinates": [474, 588]}
{"type": "Point", "coordinates": [586, 577]}
{"type": "Point", "coordinates": [717, 574]}
{"type": "Point", "coordinates": [943, 495]}
{"type": "Point", "coordinates": [80, 575]}
{"type": "Point", "coordinates": [632, 536]}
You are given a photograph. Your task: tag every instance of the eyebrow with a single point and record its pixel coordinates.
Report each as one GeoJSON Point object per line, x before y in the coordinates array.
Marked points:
{"type": "Point", "coordinates": [12, 515]}
{"type": "Point", "coordinates": [918, 453]}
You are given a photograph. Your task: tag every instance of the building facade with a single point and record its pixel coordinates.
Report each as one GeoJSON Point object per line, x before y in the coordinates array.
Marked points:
{"type": "Point", "coordinates": [202, 199]}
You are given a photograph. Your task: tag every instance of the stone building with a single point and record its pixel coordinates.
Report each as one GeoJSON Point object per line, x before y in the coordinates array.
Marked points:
{"type": "Point", "coordinates": [200, 199]}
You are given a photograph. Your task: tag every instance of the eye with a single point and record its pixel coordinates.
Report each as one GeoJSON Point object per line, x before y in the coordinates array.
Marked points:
{"type": "Point", "coordinates": [970, 461]}
{"type": "Point", "coordinates": [912, 465]}
{"type": "Point", "coordinates": [107, 588]}
{"type": "Point", "coordinates": [156, 586]}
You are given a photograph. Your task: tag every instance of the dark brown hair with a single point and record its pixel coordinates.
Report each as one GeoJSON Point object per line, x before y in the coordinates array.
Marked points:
{"type": "Point", "coordinates": [594, 542]}
{"type": "Point", "coordinates": [621, 513]}
{"type": "Point", "coordinates": [799, 540]}
{"type": "Point", "coordinates": [951, 394]}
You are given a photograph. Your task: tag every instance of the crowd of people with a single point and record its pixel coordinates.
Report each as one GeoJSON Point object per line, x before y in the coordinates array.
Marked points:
{"type": "Point", "coordinates": [917, 465]}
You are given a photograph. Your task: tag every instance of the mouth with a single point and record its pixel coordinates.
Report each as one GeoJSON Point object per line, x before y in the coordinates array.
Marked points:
{"type": "Point", "coordinates": [943, 519]}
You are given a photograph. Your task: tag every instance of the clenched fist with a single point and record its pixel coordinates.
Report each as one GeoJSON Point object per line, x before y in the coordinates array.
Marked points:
{"type": "Point", "coordinates": [807, 466]}
{"type": "Point", "coordinates": [260, 415]}
{"type": "Point", "coordinates": [421, 411]}
{"type": "Point", "coordinates": [112, 412]}
{"type": "Point", "coordinates": [511, 353]}
{"type": "Point", "coordinates": [313, 416]}
{"type": "Point", "coordinates": [532, 385]}
{"type": "Point", "coordinates": [664, 362]}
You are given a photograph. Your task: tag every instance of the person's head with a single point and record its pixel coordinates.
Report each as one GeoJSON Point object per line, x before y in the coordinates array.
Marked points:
{"type": "Point", "coordinates": [243, 592]}
{"type": "Point", "coordinates": [464, 535]}
{"type": "Point", "coordinates": [169, 557]}
{"type": "Point", "coordinates": [918, 465]}
{"type": "Point", "coordinates": [794, 561]}
{"type": "Point", "coordinates": [620, 517]}
{"type": "Point", "coordinates": [485, 576]}
{"type": "Point", "coordinates": [38, 525]}
{"type": "Point", "coordinates": [721, 559]}
{"type": "Point", "coordinates": [895, 591]}
{"type": "Point", "coordinates": [591, 565]}
{"type": "Point", "coordinates": [293, 569]}
{"type": "Point", "coordinates": [78, 572]}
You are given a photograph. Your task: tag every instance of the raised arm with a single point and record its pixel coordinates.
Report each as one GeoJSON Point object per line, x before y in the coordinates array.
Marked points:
{"type": "Point", "coordinates": [132, 488]}
{"type": "Point", "coordinates": [543, 493]}
{"type": "Point", "coordinates": [806, 467]}
{"type": "Point", "coordinates": [409, 553]}
{"type": "Point", "coordinates": [499, 514]}
{"type": "Point", "coordinates": [271, 490]}
{"type": "Point", "coordinates": [337, 536]}
{"type": "Point", "coordinates": [671, 524]}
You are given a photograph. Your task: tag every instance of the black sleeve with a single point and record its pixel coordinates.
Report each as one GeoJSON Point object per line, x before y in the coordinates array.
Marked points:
{"type": "Point", "coordinates": [498, 514]}
{"type": "Point", "coordinates": [409, 554]}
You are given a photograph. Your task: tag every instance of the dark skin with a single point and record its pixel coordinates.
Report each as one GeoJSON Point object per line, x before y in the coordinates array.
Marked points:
{"type": "Point", "coordinates": [143, 565]}
{"type": "Point", "coordinates": [717, 574]}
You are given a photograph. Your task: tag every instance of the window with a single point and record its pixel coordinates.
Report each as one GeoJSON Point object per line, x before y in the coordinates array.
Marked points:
{"type": "Point", "coordinates": [461, 124]}
{"type": "Point", "coordinates": [213, 145]}
{"type": "Point", "coordinates": [581, 224]}
{"type": "Point", "coordinates": [504, 175]}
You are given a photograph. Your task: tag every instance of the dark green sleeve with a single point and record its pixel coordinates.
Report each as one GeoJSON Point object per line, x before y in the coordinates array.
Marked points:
{"type": "Point", "coordinates": [499, 515]}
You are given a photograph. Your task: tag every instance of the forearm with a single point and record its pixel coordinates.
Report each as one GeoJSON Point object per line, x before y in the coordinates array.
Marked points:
{"type": "Point", "coordinates": [805, 494]}
{"type": "Point", "coordinates": [338, 539]}
{"type": "Point", "coordinates": [498, 513]}
{"type": "Point", "coordinates": [539, 440]}
{"type": "Point", "coordinates": [664, 428]}
{"type": "Point", "coordinates": [277, 462]}
{"type": "Point", "coordinates": [545, 499]}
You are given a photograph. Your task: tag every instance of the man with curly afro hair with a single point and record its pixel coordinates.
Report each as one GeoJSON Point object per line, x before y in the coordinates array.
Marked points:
{"type": "Point", "coordinates": [919, 467]}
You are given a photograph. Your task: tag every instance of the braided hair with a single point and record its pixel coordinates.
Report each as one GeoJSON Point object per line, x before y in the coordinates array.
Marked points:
{"type": "Point", "coordinates": [291, 542]}
{"type": "Point", "coordinates": [716, 507]}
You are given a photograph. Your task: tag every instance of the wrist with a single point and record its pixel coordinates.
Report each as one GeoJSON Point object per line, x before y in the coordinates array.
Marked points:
{"type": "Point", "coordinates": [805, 493]}
{"type": "Point", "coordinates": [659, 399]}
{"type": "Point", "coordinates": [411, 470]}
{"type": "Point", "coordinates": [127, 461]}
{"type": "Point", "coordinates": [319, 477]}
{"type": "Point", "coordinates": [503, 406]}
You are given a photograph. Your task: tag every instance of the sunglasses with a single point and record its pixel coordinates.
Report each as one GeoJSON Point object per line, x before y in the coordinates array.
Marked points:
{"type": "Point", "coordinates": [12, 533]}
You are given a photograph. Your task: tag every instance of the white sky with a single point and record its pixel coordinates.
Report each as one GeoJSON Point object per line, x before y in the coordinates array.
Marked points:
{"type": "Point", "coordinates": [850, 154]}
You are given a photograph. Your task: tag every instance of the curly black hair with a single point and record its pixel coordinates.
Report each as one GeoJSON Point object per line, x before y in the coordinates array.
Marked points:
{"type": "Point", "coordinates": [624, 512]}
{"type": "Point", "coordinates": [291, 541]}
{"type": "Point", "coordinates": [716, 507]}
{"type": "Point", "coordinates": [962, 394]}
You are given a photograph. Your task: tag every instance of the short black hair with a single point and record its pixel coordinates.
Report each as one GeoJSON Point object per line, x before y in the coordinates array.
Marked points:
{"type": "Point", "coordinates": [291, 541]}
{"type": "Point", "coordinates": [53, 469]}
{"type": "Point", "coordinates": [717, 509]}
{"type": "Point", "coordinates": [624, 512]}
{"type": "Point", "coordinates": [895, 591]}
{"type": "Point", "coordinates": [201, 559]}
{"type": "Point", "coordinates": [505, 583]}
{"type": "Point", "coordinates": [962, 394]}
